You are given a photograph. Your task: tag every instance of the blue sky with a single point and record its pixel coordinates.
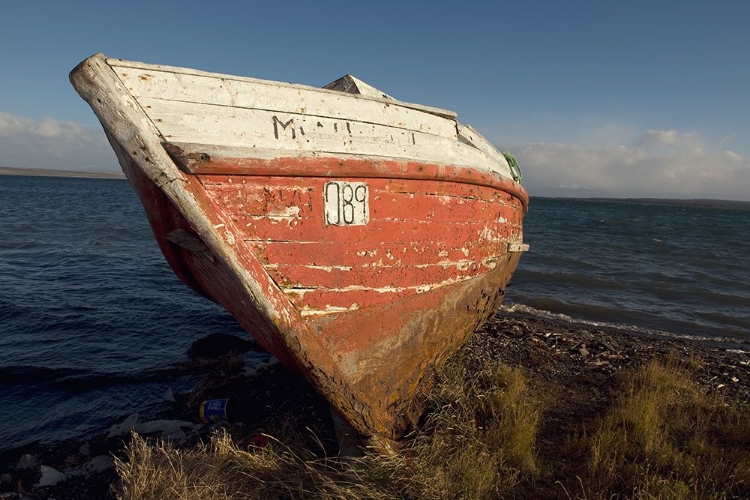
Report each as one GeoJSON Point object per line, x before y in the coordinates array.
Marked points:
{"type": "Point", "coordinates": [595, 98]}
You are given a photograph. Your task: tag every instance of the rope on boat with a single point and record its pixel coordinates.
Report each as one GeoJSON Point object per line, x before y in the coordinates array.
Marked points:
{"type": "Point", "coordinates": [515, 170]}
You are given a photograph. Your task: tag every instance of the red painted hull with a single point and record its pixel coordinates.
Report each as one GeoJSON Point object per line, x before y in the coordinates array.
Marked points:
{"type": "Point", "coordinates": [405, 290]}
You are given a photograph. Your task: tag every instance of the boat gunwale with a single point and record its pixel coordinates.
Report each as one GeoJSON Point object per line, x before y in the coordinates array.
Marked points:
{"type": "Point", "coordinates": [201, 159]}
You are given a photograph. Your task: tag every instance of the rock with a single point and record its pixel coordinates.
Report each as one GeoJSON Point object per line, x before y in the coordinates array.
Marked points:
{"type": "Point", "coordinates": [252, 371]}
{"type": "Point", "coordinates": [85, 449]}
{"type": "Point", "coordinates": [219, 344]}
{"type": "Point", "coordinates": [27, 461]}
{"type": "Point", "coordinates": [100, 463]}
{"type": "Point", "coordinates": [123, 428]}
{"type": "Point", "coordinates": [96, 465]}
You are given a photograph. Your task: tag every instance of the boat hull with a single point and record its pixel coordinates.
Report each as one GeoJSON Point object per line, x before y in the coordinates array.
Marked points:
{"type": "Point", "coordinates": [383, 324]}
{"type": "Point", "coordinates": [360, 273]}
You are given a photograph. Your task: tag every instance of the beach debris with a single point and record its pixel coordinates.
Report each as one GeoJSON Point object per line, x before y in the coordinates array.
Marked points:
{"type": "Point", "coordinates": [50, 477]}
{"type": "Point", "coordinates": [98, 464]}
{"type": "Point", "coordinates": [252, 371]}
{"type": "Point", "coordinates": [169, 395]}
{"type": "Point", "coordinates": [215, 345]}
{"type": "Point", "coordinates": [259, 441]}
{"type": "Point", "coordinates": [27, 461]}
{"type": "Point", "coordinates": [171, 430]}
{"type": "Point", "coordinates": [224, 409]}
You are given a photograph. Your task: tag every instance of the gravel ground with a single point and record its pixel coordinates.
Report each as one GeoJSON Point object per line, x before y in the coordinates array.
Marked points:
{"type": "Point", "coordinates": [576, 366]}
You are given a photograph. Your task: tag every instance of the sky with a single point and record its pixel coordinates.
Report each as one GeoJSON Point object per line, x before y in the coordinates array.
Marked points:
{"type": "Point", "coordinates": [594, 98]}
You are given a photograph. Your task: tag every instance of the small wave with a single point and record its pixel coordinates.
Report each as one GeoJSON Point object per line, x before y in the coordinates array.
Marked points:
{"type": "Point", "coordinates": [75, 380]}
{"type": "Point", "coordinates": [24, 375]}
{"type": "Point", "coordinates": [528, 311]}
{"type": "Point", "coordinates": [539, 313]}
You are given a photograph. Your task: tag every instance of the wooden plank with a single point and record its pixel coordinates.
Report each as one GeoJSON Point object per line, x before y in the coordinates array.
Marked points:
{"type": "Point", "coordinates": [271, 129]}
{"type": "Point", "coordinates": [286, 225]}
{"type": "Point", "coordinates": [249, 197]}
{"type": "Point", "coordinates": [148, 86]}
{"type": "Point", "coordinates": [377, 254]}
{"type": "Point", "coordinates": [144, 72]}
{"type": "Point", "coordinates": [333, 278]}
{"type": "Point", "coordinates": [405, 233]}
{"type": "Point", "coordinates": [238, 162]}
{"type": "Point", "coordinates": [276, 134]}
{"type": "Point", "coordinates": [318, 302]}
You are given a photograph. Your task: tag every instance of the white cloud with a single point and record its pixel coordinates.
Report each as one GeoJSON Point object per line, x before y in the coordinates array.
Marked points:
{"type": "Point", "coordinates": [731, 156]}
{"type": "Point", "coordinates": [661, 163]}
{"type": "Point", "coordinates": [19, 126]}
{"type": "Point", "coordinates": [655, 138]}
{"type": "Point", "coordinates": [53, 144]}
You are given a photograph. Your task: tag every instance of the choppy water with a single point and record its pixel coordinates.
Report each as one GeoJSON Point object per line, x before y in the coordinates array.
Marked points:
{"type": "Point", "coordinates": [92, 320]}
{"type": "Point", "coordinates": [638, 265]}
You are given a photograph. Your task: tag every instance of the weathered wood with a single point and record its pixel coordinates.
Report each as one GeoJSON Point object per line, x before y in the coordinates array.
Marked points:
{"type": "Point", "coordinates": [237, 161]}
{"type": "Point", "coordinates": [149, 69]}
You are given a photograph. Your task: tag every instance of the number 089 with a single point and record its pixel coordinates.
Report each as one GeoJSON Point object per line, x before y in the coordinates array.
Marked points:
{"type": "Point", "coordinates": [346, 203]}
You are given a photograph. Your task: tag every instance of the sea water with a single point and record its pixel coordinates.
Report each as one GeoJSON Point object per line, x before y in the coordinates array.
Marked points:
{"type": "Point", "coordinates": [94, 325]}
{"type": "Point", "coordinates": [674, 267]}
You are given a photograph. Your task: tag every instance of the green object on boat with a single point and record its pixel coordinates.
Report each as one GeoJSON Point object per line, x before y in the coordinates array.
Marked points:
{"type": "Point", "coordinates": [515, 170]}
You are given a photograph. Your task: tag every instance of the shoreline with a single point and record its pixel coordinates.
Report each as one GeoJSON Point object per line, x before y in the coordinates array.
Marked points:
{"type": "Point", "coordinates": [41, 172]}
{"type": "Point", "coordinates": [578, 366]}
{"type": "Point", "coordinates": [725, 341]}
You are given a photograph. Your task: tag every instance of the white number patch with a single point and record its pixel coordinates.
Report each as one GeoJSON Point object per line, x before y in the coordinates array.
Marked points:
{"type": "Point", "coordinates": [347, 203]}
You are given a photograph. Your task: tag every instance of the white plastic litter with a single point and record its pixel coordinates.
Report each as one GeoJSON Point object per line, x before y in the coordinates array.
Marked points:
{"type": "Point", "coordinates": [169, 395]}
{"type": "Point", "coordinates": [172, 430]}
{"type": "Point", "coordinates": [50, 477]}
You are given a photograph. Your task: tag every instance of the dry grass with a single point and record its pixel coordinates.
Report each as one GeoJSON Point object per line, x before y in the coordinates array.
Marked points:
{"type": "Point", "coordinates": [662, 438]}
{"type": "Point", "coordinates": [224, 470]}
{"type": "Point", "coordinates": [479, 440]}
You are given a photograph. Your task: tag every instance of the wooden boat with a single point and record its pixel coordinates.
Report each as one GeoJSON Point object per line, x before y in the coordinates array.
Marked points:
{"type": "Point", "coordinates": [358, 238]}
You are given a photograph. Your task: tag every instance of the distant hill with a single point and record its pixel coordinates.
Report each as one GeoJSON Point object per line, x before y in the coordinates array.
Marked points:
{"type": "Point", "coordinates": [41, 172]}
